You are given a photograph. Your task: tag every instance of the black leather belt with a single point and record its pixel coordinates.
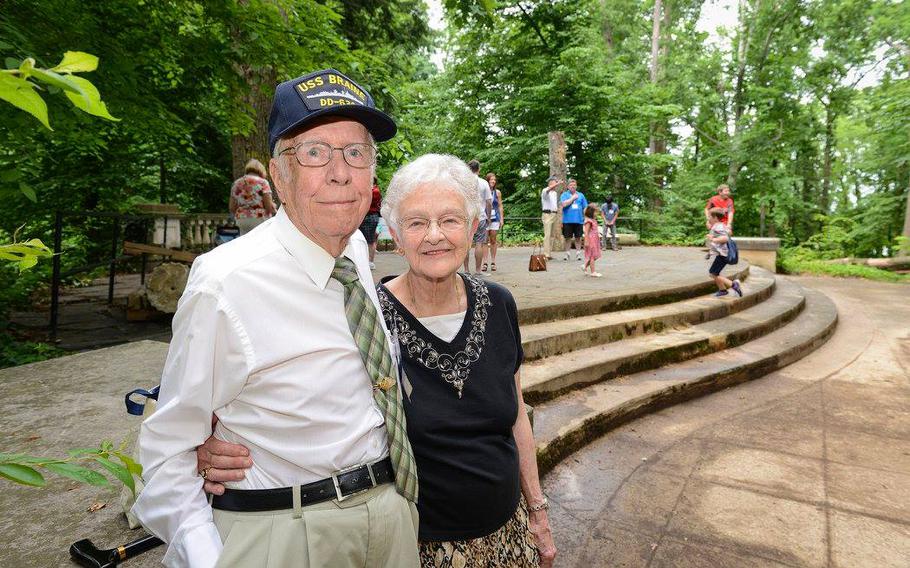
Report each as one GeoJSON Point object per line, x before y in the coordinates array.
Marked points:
{"type": "Point", "coordinates": [340, 486]}
{"type": "Point", "coordinates": [549, 211]}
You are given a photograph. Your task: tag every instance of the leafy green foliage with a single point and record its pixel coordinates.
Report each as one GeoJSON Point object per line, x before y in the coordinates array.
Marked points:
{"type": "Point", "coordinates": [13, 352]}
{"type": "Point", "coordinates": [25, 469]}
{"type": "Point", "coordinates": [16, 89]}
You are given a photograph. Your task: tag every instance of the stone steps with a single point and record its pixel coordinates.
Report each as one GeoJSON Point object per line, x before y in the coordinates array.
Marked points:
{"type": "Point", "coordinates": [624, 300]}
{"type": "Point", "coordinates": [550, 377]}
{"type": "Point", "coordinates": [565, 424]}
{"type": "Point", "coordinates": [562, 336]}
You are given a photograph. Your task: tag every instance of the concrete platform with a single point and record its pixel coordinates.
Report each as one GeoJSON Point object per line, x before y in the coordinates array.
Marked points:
{"type": "Point", "coordinates": [48, 408]}
{"type": "Point", "coordinates": [657, 289]}
{"type": "Point", "coordinates": [633, 277]}
{"type": "Point", "coordinates": [806, 467]}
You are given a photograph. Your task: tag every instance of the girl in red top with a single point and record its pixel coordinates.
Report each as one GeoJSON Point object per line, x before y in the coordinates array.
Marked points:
{"type": "Point", "coordinates": [592, 241]}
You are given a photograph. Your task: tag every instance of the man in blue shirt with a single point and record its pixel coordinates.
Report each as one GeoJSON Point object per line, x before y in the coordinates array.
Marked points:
{"type": "Point", "coordinates": [610, 212]}
{"type": "Point", "coordinates": [573, 205]}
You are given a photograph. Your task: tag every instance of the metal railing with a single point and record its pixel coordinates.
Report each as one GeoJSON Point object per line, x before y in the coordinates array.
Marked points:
{"type": "Point", "coordinates": [194, 232]}
{"type": "Point", "coordinates": [639, 221]}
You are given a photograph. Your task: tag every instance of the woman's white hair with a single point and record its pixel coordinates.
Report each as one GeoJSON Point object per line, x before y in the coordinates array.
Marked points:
{"type": "Point", "coordinates": [441, 169]}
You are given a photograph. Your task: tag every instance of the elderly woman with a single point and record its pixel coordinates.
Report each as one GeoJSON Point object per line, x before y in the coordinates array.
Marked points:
{"type": "Point", "coordinates": [460, 355]}
{"type": "Point", "coordinates": [480, 501]}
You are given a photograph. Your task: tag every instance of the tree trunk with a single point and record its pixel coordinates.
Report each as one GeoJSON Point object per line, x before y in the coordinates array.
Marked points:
{"type": "Point", "coordinates": [905, 248]}
{"type": "Point", "coordinates": [655, 40]}
{"type": "Point", "coordinates": [251, 96]}
{"type": "Point", "coordinates": [656, 143]}
{"type": "Point", "coordinates": [162, 180]}
{"type": "Point", "coordinates": [254, 97]}
{"type": "Point", "coordinates": [824, 199]}
{"type": "Point", "coordinates": [559, 169]}
{"type": "Point", "coordinates": [738, 105]}
{"type": "Point", "coordinates": [607, 29]}
{"type": "Point", "coordinates": [655, 62]}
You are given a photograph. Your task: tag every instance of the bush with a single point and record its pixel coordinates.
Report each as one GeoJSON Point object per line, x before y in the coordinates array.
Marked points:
{"type": "Point", "coordinates": [14, 353]}
{"type": "Point", "coordinates": [803, 260]}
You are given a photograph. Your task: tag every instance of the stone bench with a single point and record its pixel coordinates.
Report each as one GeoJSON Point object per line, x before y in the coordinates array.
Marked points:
{"type": "Point", "coordinates": [759, 251]}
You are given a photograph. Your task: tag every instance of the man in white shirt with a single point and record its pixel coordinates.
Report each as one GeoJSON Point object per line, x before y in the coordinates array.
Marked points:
{"type": "Point", "coordinates": [486, 208]}
{"type": "Point", "coordinates": [262, 341]}
{"type": "Point", "coordinates": [549, 205]}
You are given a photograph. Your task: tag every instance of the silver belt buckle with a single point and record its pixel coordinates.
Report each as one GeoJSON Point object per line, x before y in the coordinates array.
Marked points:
{"type": "Point", "coordinates": [335, 475]}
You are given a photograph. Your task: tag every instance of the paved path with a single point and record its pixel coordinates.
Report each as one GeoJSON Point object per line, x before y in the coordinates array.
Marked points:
{"type": "Point", "coordinates": [808, 466]}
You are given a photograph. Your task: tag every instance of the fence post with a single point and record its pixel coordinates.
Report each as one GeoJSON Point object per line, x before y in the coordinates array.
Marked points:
{"type": "Point", "coordinates": [55, 279]}
{"type": "Point", "coordinates": [113, 268]}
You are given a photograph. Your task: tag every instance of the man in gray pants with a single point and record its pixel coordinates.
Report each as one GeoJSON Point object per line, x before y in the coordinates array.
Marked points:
{"type": "Point", "coordinates": [610, 213]}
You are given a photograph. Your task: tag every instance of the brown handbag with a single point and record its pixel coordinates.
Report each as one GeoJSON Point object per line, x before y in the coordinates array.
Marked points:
{"type": "Point", "coordinates": [538, 261]}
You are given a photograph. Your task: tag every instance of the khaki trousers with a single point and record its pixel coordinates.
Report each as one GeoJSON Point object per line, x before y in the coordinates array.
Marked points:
{"type": "Point", "coordinates": [374, 529]}
{"type": "Point", "coordinates": [549, 221]}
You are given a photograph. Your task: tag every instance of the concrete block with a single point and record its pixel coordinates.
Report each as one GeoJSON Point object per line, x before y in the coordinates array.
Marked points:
{"type": "Point", "coordinates": [759, 251]}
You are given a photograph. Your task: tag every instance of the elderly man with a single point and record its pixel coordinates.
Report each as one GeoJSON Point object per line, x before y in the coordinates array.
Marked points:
{"type": "Point", "coordinates": [277, 335]}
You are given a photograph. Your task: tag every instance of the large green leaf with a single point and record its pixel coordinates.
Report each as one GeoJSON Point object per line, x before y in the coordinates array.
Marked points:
{"type": "Point", "coordinates": [120, 472]}
{"type": "Point", "coordinates": [22, 474]}
{"type": "Point", "coordinates": [91, 102]}
{"type": "Point", "coordinates": [130, 463]}
{"type": "Point", "coordinates": [28, 192]}
{"type": "Point", "coordinates": [25, 254]}
{"type": "Point", "coordinates": [21, 94]}
{"type": "Point", "coordinates": [9, 176]}
{"type": "Point", "coordinates": [61, 81]}
{"type": "Point", "coordinates": [76, 62]}
{"type": "Point", "coordinates": [78, 473]}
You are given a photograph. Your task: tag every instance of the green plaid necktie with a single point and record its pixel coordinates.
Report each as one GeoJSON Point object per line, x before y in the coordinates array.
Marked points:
{"type": "Point", "coordinates": [363, 319]}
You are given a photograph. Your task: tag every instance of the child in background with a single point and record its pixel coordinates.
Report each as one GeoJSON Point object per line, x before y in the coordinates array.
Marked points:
{"type": "Point", "coordinates": [592, 241]}
{"type": "Point", "coordinates": [718, 238]}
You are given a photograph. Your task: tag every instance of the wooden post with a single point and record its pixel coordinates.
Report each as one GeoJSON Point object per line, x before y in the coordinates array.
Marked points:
{"type": "Point", "coordinates": [559, 169]}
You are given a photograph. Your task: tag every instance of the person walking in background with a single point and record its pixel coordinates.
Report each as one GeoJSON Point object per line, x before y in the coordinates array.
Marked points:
{"type": "Point", "coordinates": [718, 238]}
{"type": "Point", "coordinates": [496, 221]}
{"type": "Point", "coordinates": [486, 209]}
{"type": "Point", "coordinates": [720, 201]}
{"type": "Point", "coordinates": [549, 208]}
{"type": "Point", "coordinates": [368, 226]}
{"type": "Point", "coordinates": [592, 241]}
{"type": "Point", "coordinates": [610, 213]}
{"type": "Point", "coordinates": [251, 197]}
{"type": "Point", "coordinates": [573, 204]}
{"type": "Point", "coordinates": [724, 202]}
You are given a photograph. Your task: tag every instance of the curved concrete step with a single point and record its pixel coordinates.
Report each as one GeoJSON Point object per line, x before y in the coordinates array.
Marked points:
{"type": "Point", "coordinates": [547, 378]}
{"type": "Point", "coordinates": [556, 337]}
{"type": "Point", "coordinates": [564, 425]}
{"type": "Point", "coordinates": [624, 300]}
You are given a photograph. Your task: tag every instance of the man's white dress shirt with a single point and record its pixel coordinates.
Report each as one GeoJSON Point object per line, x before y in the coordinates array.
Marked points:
{"type": "Point", "coordinates": [486, 197]}
{"type": "Point", "coordinates": [261, 340]}
{"type": "Point", "coordinates": [548, 200]}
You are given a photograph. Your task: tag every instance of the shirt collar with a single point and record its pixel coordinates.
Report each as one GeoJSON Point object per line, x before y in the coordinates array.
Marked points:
{"type": "Point", "coordinates": [315, 260]}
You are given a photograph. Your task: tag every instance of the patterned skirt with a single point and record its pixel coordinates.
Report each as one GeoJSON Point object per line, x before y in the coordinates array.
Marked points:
{"type": "Point", "coordinates": [512, 546]}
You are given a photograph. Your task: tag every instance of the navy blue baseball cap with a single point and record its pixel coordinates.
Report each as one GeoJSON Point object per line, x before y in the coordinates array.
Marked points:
{"type": "Point", "coordinates": [325, 93]}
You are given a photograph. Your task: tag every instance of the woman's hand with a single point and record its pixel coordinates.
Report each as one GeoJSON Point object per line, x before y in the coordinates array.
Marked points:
{"type": "Point", "coordinates": [539, 525]}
